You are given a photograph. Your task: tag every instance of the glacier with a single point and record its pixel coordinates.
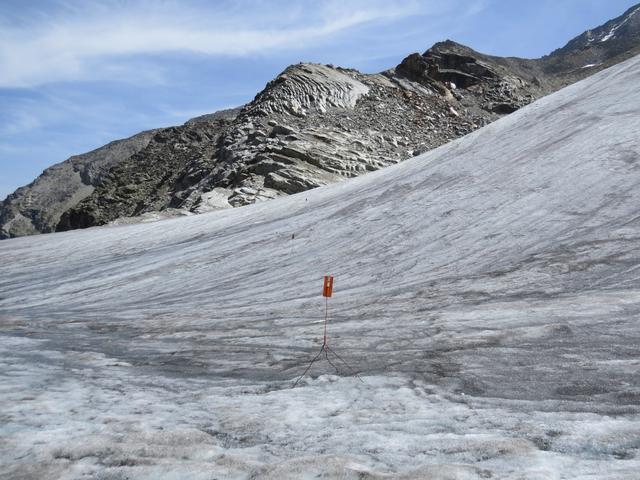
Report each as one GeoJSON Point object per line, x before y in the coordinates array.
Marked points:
{"type": "Point", "coordinates": [487, 292]}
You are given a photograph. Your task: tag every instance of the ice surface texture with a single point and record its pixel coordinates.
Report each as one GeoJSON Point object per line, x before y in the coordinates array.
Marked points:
{"type": "Point", "coordinates": [487, 292]}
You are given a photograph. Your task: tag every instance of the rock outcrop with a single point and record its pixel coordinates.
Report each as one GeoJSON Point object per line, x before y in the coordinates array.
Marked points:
{"type": "Point", "coordinates": [312, 125]}
{"type": "Point", "coordinates": [161, 176]}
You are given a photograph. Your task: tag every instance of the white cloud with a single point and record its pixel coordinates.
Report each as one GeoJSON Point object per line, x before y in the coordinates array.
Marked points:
{"type": "Point", "coordinates": [86, 41]}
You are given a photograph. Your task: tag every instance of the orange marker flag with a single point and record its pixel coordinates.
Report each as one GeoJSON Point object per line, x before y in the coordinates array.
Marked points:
{"type": "Point", "coordinates": [328, 286]}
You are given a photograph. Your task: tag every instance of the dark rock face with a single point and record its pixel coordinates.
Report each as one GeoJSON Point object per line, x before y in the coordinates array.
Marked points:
{"type": "Point", "coordinates": [161, 176]}
{"type": "Point", "coordinates": [312, 125]}
{"type": "Point", "coordinates": [37, 207]}
{"type": "Point", "coordinates": [478, 83]}
{"type": "Point", "coordinates": [443, 64]}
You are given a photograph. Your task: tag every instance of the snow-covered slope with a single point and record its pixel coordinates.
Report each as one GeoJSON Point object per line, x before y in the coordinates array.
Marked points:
{"type": "Point", "coordinates": [487, 292]}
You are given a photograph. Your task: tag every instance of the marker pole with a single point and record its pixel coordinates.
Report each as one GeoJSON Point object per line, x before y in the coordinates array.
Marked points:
{"type": "Point", "coordinates": [327, 291]}
{"type": "Point", "coordinates": [326, 317]}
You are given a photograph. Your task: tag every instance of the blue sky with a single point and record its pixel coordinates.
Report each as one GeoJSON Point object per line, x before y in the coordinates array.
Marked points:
{"type": "Point", "coordinates": [75, 75]}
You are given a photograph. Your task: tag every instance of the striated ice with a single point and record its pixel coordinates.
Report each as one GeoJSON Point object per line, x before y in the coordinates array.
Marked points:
{"type": "Point", "coordinates": [487, 292]}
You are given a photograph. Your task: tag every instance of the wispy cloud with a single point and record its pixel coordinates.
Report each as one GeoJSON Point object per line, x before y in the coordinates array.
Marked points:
{"type": "Point", "coordinates": [19, 122]}
{"type": "Point", "coordinates": [77, 41]}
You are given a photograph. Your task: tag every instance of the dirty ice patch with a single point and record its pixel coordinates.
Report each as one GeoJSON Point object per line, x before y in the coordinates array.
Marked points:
{"type": "Point", "coordinates": [70, 414]}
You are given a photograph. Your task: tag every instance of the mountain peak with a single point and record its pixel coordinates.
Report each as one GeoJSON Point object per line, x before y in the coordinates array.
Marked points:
{"type": "Point", "coordinates": [449, 46]}
{"type": "Point", "coordinates": [306, 87]}
{"type": "Point", "coordinates": [612, 38]}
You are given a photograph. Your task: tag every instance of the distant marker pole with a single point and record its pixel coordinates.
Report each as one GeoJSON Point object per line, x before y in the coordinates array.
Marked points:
{"type": "Point", "coordinates": [327, 292]}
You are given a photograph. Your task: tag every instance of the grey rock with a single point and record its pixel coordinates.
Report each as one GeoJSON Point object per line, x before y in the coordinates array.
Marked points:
{"type": "Point", "coordinates": [37, 207]}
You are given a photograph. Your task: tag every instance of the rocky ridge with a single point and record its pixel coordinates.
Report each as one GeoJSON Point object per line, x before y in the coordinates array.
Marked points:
{"type": "Point", "coordinates": [37, 207]}
{"type": "Point", "coordinates": [598, 45]}
{"type": "Point", "coordinates": [162, 176]}
{"type": "Point", "coordinates": [318, 124]}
